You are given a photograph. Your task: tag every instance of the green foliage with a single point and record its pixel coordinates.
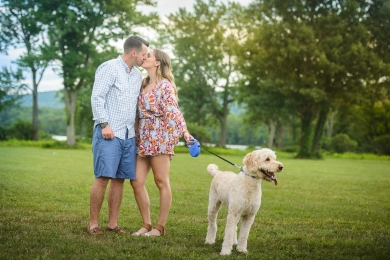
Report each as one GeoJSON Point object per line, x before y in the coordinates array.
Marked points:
{"type": "Point", "coordinates": [45, 143]}
{"type": "Point", "coordinates": [21, 130]}
{"type": "Point", "coordinates": [342, 143]}
{"type": "Point", "coordinates": [365, 124]}
{"type": "Point", "coordinates": [204, 63]}
{"type": "Point", "coordinates": [11, 87]}
{"type": "Point", "coordinates": [382, 144]}
{"type": "Point", "coordinates": [24, 24]}
{"type": "Point", "coordinates": [290, 149]}
{"type": "Point", "coordinates": [3, 133]}
{"type": "Point", "coordinates": [71, 33]}
{"type": "Point", "coordinates": [337, 207]}
{"type": "Point", "coordinates": [311, 56]}
{"type": "Point", "coordinates": [356, 156]}
{"type": "Point", "coordinates": [51, 120]}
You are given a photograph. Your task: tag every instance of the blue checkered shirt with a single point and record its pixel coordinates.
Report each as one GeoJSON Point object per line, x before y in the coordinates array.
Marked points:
{"type": "Point", "coordinates": [114, 96]}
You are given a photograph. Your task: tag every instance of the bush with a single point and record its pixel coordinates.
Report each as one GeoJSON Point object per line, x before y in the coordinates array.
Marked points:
{"type": "Point", "coordinates": [3, 133]}
{"type": "Point", "coordinates": [342, 143]}
{"type": "Point", "coordinates": [44, 136]}
{"type": "Point", "coordinates": [21, 130]}
{"type": "Point", "coordinates": [326, 144]}
{"type": "Point", "coordinates": [382, 144]}
{"type": "Point", "coordinates": [290, 149]}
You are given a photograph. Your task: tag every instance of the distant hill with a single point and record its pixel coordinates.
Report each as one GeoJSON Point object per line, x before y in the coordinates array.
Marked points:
{"type": "Point", "coordinates": [51, 99]}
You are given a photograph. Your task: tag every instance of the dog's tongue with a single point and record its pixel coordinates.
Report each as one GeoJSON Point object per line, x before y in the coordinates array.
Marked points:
{"type": "Point", "coordinates": [274, 179]}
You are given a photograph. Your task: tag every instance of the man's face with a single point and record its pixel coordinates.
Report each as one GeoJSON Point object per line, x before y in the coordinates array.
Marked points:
{"type": "Point", "coordinates": [140, 56]}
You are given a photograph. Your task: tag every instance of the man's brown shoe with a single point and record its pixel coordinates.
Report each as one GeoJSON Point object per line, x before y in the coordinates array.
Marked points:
{"type": "Point", "coordinates": [94, 231]}
{"type": "Point", "coordinates": [118, 230]}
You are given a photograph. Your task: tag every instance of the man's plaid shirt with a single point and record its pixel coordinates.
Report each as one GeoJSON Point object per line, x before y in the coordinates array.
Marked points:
{"type": "Point", "coordinates": [114, 96]}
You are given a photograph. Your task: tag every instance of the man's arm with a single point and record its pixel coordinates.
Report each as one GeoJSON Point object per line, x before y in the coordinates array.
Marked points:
{"type": "Point", "coordinates": [104, 79]}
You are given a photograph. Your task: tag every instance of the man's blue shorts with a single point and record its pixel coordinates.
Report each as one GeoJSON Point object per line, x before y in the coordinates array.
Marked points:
{"type": "Point", "coordinates": [113, 158]}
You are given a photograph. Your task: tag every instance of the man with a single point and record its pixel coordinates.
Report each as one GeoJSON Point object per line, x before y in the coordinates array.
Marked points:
{"type": "Point", "coordinates": [114, 103]}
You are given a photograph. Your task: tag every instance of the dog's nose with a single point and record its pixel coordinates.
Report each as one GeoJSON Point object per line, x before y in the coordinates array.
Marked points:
{"type": "Point", "coordinates": [280, 167]}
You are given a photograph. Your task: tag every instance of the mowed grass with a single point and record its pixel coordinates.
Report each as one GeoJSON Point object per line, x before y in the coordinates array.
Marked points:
{"type": "Point", "coordinates": [321, 209]}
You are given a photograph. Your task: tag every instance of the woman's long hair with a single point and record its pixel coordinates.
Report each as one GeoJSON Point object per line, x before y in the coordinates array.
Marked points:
{"type": "Point", "coordinates": [163, 71]}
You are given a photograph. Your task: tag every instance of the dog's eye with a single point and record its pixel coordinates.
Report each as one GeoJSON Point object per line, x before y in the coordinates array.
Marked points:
{"type": "Point", "coordinates": [267, 159]}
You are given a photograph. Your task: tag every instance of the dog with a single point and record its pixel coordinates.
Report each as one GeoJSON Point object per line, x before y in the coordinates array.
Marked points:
{"type": "Point", "coordinates": [241, 194]}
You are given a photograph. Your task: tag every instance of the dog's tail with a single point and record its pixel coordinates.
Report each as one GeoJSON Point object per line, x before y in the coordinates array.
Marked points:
{"type": "Point", "coordinates": [213, 169]}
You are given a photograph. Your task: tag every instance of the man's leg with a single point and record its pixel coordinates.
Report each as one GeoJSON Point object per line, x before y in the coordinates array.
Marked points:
{"type": "Point", "coordinates": [115, 195]}
{"type": "Point", "coordinates": [96, 200]}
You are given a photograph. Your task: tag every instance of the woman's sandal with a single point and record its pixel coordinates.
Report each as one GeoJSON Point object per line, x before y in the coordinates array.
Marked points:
{"type": "Point", "coordinates": [160, 228]}
{"type": "Point", "coordinates": [147, 227]}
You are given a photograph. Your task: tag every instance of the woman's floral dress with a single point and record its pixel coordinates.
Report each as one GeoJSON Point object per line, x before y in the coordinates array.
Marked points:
{"type": "Point", "coordinates": [161, 122]}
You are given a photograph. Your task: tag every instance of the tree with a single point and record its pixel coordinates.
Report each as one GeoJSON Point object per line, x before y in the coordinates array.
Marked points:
{"type": "Point", "coordinates": [204, 63]}
{"type": "Point", "coordinates": [264, 105]}
{"type": "Point", "coordinates": [10, 87]}
{"type": "Point", "coordinates": [378, 26]}
{"type": "Point", "coordinates": [22, 26]}
{"type": "Point", "coordinates": [77, 31]}
{"type": "Point", "coordinates": [314, 54]}
{"type": "Point", "coordinates": [368, 124]}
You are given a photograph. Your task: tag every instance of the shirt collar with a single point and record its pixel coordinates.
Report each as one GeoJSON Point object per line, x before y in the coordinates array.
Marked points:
{"type": "Point", "coordinates": [123, 63]}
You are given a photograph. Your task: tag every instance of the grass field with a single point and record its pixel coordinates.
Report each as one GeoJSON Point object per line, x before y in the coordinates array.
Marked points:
{"type": "Point", "coordinates": [321, 209]}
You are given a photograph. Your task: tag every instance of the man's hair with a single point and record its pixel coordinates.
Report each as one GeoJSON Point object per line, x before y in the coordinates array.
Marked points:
{"type": "Point", "coordinates": [134, 42]}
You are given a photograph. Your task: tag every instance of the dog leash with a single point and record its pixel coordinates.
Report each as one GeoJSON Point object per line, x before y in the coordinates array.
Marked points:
{"type": "Point", "coordinates": [195, 151]}
{"type": "Point", "coordinates": [235, 165]}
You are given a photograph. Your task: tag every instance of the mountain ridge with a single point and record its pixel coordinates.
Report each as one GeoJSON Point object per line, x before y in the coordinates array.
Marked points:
{"type": "Point", "coordinates": [51, 99]}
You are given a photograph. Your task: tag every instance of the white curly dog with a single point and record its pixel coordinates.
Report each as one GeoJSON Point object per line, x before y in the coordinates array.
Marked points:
{"type": "Point", "coordinates": [241, 194]}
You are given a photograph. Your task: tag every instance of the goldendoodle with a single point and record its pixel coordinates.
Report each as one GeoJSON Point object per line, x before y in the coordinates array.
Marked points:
{"type": "Point", "coordinates": [241, 194]}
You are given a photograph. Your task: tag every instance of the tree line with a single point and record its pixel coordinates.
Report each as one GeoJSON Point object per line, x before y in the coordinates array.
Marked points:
{"type": "Point", "coordinates": [314, 74]}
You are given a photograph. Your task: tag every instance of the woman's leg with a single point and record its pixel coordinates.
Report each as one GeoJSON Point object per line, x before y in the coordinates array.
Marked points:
{"type": "Point", "coordinates": [140, 192]}
{"type": "Point", "coordinates": [160, 166]}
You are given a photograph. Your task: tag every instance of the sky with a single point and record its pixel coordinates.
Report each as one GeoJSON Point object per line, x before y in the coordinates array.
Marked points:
{"type": "Point", "coordinates": [52, 82]}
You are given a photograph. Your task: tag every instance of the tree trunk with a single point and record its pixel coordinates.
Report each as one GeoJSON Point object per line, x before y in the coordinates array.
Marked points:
{"type": "Point", "coordinates": [316, 147]}
{"type": "Point", "coordinates": [223, 118]}
{"type": "Point", "coordinates": [35, 135]}
{"type": "Point", "coordinates": [222, 140]}
{"type": "Point", "coordinates": [306, 132]}
{"type": "Point", "coordinates": [71, 103]}
{"type": "Point", "coordinates": [330, 123]}
{"type": "Point", "coordinates": [280, 135]}
{"type": "Point", "coordinates": [271, 136]}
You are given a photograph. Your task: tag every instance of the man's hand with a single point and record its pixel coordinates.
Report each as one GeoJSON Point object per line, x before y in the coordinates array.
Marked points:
{"type": "Point", "coordinates": [107, 133]}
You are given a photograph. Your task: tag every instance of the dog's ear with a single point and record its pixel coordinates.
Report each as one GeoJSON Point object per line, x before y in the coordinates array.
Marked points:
{"type": "Point", "coordinates": [250, 162]}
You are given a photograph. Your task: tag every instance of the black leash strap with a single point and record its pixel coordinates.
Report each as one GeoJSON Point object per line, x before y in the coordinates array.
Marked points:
{"type": "Point", "coordinates": [223, 159]}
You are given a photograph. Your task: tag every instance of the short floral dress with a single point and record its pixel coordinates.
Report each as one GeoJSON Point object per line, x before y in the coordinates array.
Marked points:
{"type": "Point", "coordinates": [161, 122]}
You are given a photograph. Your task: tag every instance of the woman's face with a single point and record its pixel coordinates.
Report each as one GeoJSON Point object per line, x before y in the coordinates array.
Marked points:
{"type": "Point", "coordinates": [150, 61]}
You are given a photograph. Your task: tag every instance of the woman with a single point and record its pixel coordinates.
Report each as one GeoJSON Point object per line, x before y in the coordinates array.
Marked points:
{"type": "Point", "coordinates": [160, 125]}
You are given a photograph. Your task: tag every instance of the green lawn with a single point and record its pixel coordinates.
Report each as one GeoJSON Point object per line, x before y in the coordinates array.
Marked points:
{"type": "Point", "coordinates": [321, 209]}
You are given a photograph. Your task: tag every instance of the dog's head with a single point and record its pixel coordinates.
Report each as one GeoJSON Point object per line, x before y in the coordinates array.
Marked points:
{"type": "Point", "coordinates": [263, 163]}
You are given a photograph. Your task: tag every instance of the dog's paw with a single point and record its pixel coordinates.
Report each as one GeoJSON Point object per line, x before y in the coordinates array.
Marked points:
{"type": "Point", "coordinates": [242, 250]}
{"type": "Point", "coordinates": [209, 242]}
{"type": "Point", "coordinates": [225, 251]}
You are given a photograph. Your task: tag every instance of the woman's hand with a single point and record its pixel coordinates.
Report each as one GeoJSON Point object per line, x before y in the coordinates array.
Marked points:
{"type": "Point", "coordinates": [187, 136]}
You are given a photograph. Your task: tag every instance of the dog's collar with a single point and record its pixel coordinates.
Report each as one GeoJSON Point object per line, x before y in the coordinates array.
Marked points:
{"type": "Point", "coordinates": [248, 174]}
